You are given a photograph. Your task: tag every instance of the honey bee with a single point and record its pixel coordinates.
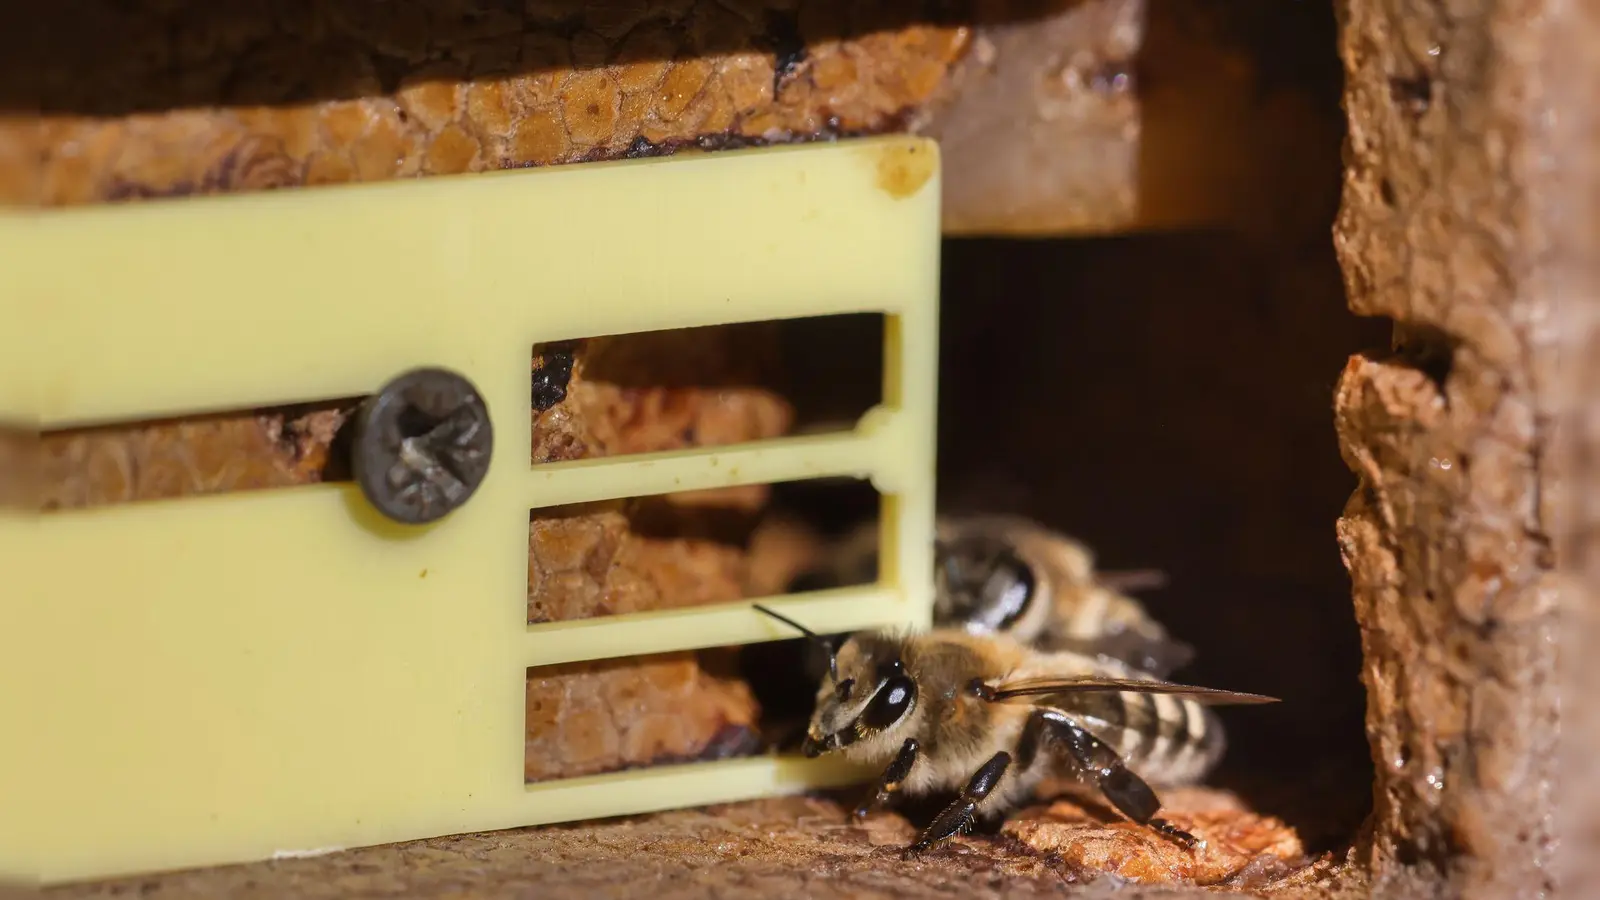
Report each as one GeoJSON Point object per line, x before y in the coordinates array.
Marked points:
{"type": "Point", "coordinates": [989, 717]}
{"type": "Point", "coordinates": [1004, 573]}
{"type": "Point", "coordinates": [1036, 667]}
{"type": "Point", "coordinates": [1007, 574]}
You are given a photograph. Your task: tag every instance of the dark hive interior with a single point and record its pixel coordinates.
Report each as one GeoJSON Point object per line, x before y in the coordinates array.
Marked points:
{"type": "Point", "coordinates": [1165, 400]}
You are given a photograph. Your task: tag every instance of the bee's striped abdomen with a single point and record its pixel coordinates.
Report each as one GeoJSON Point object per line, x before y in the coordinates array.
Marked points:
{"type": "Point", "coordinates": [1165, 739]}
{"type": "Point", "coordinates": [1187, 743]}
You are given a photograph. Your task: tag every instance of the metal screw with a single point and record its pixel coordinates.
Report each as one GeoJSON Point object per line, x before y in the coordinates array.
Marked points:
{"type": "Point", "coordinates": [422, 445]}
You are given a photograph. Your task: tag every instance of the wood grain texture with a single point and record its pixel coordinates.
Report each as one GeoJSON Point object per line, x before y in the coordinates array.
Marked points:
{"type": "Point", "coordinates": [1040, 124]}
{"type": "Point", "coordinates": [182, 98]}
{"type": "Point", "coordinates": [781, 848]}
{"type": "Point", "coordinates": [1450, 223]}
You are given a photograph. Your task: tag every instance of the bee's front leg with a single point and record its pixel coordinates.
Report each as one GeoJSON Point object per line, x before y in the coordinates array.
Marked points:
{"type": "Point", "coordinates": [895, 775]}
{"type": "Point", "coordinates": [958, 816]}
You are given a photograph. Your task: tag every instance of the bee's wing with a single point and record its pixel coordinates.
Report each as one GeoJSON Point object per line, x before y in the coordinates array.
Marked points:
{"type": "Point", "coordinates": [1033, 687]}
{"type": "Point", "coordinates": [1153, 656]}
{"type": "Point", "coordinates": [1132, 580]}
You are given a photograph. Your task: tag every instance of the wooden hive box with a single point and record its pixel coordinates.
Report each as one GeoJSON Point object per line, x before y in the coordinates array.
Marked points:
{"type": "Point", "coordinates": [1462, 536]}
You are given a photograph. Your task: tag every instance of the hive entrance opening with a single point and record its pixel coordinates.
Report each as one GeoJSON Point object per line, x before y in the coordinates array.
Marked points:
{"type": "Point", "coordinates": [1165, 400]}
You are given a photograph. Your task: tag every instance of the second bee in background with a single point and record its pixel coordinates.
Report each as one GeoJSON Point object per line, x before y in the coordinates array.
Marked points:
{"type": "Point", "coordinates": [1006, 574]}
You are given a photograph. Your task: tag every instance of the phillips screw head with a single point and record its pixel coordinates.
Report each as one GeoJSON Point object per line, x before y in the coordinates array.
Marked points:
{"type": "Point", "coordinates": [422, 445]}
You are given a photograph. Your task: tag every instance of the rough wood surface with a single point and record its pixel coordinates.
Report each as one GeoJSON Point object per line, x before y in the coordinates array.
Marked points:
{"type": "Point", "coordinates": [1448, 228]}
{"type": "Point", "coordinates": [1110, 116]}
{"type": "Point", "coordinates": [198, 98]}
{"type": "Point", "coordinates": [1039, 127]}
{"type": "Point", "coordinates": [1572, 275]}
{"type": "Point", "coordinates": [789, 847]}
{"type": "Point", "coordinates": [188, 98]}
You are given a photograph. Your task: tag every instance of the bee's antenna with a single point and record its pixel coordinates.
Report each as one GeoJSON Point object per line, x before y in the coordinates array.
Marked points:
{"type": "Point", "coordinates": [833, 660]}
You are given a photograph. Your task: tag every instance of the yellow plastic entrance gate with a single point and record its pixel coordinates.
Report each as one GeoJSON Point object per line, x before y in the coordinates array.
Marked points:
{"type": "Point", "coordinates": [227, 678]}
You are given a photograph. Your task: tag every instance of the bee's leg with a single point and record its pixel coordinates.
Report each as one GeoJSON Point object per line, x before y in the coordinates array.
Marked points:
{"type": "Point", "coordinates": [958, 816]}
{"type": "Point", "coordinates": [1098, 762]}
{"type": "Point", "coordinates": [891, 779]}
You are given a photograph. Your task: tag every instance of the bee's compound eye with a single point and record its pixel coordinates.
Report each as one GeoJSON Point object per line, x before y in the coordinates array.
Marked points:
{"type": "Point", "coordinates": [890, 703]}
{"type": "Point", "coordinates": [845, 686]}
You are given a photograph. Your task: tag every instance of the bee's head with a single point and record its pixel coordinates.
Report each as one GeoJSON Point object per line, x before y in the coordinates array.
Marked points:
{"type": "Point", "coordinates": [867, 693]}
{"type": "Point", "coordinates": [871, 695]}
